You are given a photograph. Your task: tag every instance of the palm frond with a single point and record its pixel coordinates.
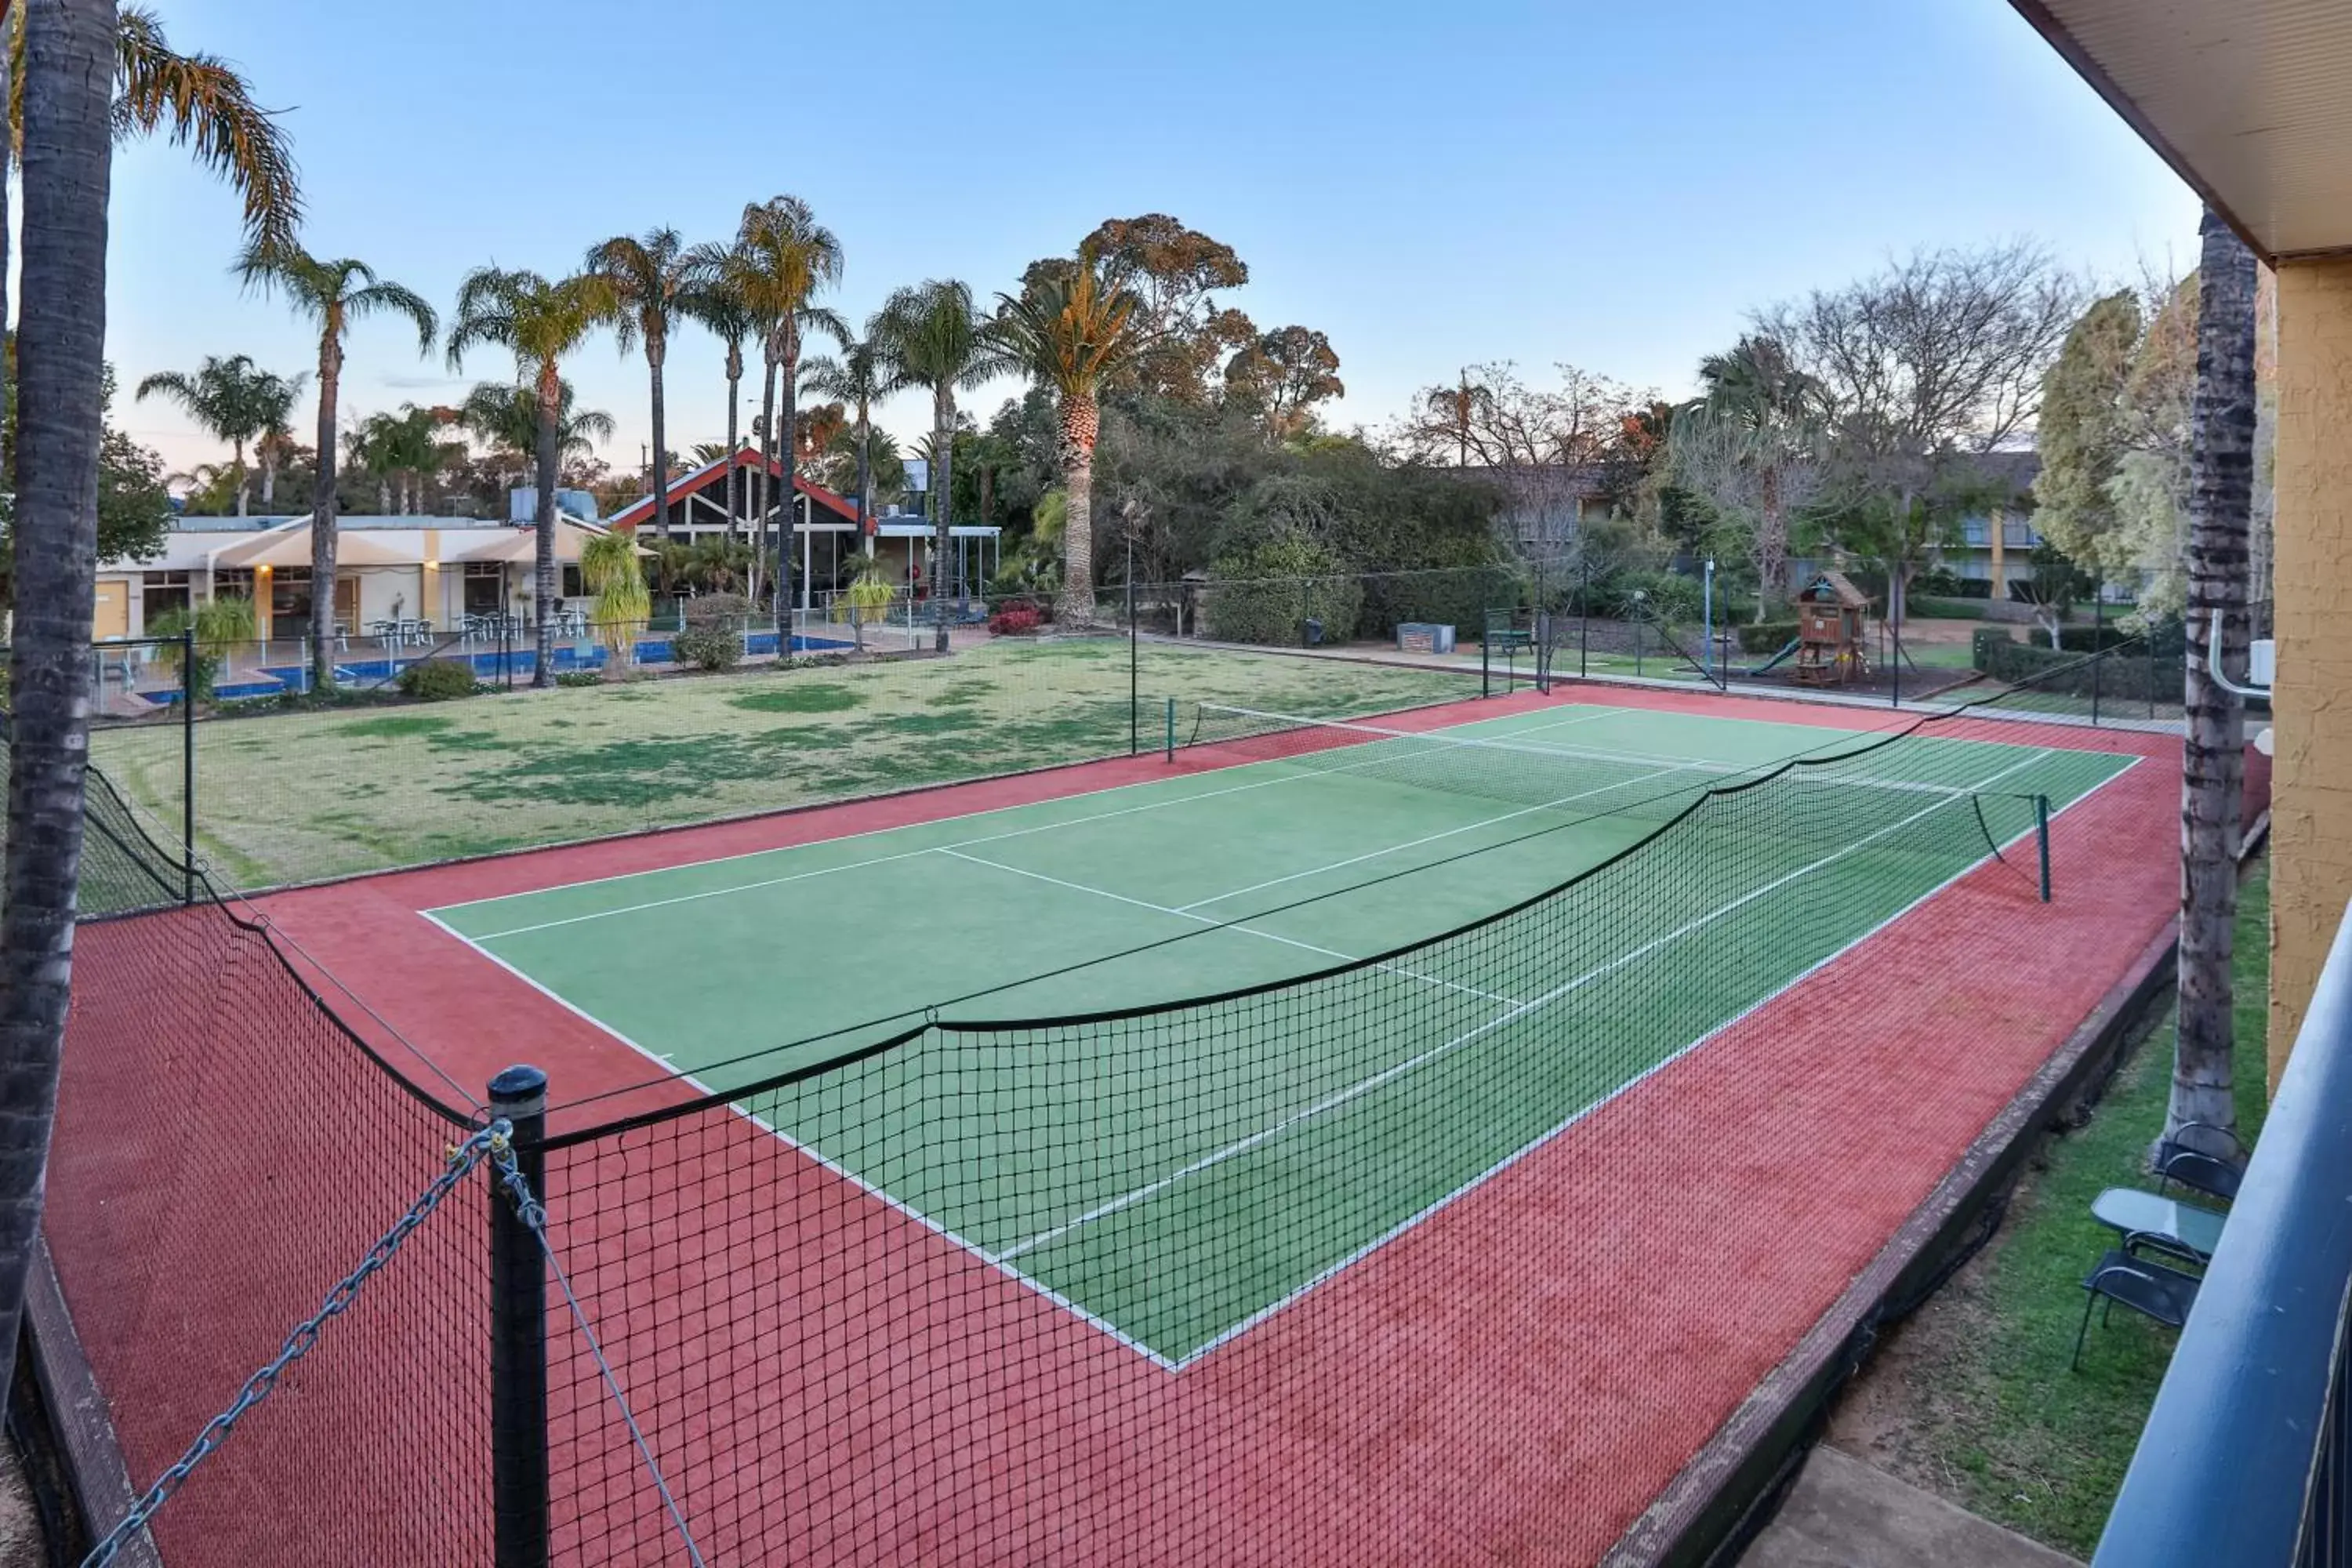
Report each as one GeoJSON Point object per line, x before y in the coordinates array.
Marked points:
{"type": "Point", "coordinates": [200, 103]}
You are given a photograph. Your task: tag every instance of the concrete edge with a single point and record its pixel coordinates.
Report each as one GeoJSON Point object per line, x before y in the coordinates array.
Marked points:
{"type": "Point", "coordinates": [88, 1453]}
{"type": "Point", "coordinates": [1706, 1505]}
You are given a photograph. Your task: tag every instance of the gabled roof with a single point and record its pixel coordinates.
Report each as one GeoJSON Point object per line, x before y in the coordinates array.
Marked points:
{"type": "Point", "coordinates": [641, 510]}
{"type": "Point", "coordinates": [1840, 588]}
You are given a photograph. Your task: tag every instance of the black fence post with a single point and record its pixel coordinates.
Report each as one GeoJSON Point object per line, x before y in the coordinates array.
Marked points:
{"type": "Point", "coordinates": [2041, 836]}
{"type": "Point", "coordinates": [518, 1488]}
{"type": "Point", "coordinates": [188, 764]}
{"type": "Point", "coordinates": [1584, 620]}
{"type": "Point", "coordinates": [2099, 651]}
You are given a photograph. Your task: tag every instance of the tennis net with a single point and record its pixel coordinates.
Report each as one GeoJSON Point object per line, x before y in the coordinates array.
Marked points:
{"type": "Point", "coordinates": [1860, 786]}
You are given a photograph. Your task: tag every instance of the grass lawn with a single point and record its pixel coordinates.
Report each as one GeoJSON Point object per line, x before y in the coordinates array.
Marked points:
{"type": "Point", "coordinates": [291, 796]}
{"type": "Point", "coordinates": [1973, 1398]}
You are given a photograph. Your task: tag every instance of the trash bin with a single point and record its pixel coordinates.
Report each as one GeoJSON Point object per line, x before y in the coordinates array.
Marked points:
{"type": "Point", "coordinates": [1314, 632]}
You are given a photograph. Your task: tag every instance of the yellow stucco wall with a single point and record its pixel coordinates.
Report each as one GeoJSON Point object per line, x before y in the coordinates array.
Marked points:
{"type": "Point", "coordinates": [2311, 788]}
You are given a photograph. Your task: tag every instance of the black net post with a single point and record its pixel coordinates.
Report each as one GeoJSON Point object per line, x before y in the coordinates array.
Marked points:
{"type": "Point", "coordinates": [2042, 840]}
{"type": "Point", "coordinates": [1584, 620]}
{"type": "Point", "coordinates": [518, 1488]}
{"type": "Point", "coordinates": [1487, 657]}
{"type": "Point", "coordinates": [188, 764]}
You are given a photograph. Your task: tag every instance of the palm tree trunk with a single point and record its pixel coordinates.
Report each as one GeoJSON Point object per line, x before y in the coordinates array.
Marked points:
{"type": "Point", "coordinates": [68, 142]}
{"type": "Point", "coordinates": [244, 480]}
{"type": "Point", "coordinates": [9, 23]}
{"type": "Point", "coordinates": [268, 461]}
{"type": "Point", "coordinates": [656, 352]}
{"type": "Point", "coordinates": [787, 416]}
{"type": "Point", "coordinates": [865, 474]}
{"type": "Point", "coordinates": [1081, 419]}
{"type": "Point", "coordinates": [2221, 490]}
{"type": "Point", "coordinates": [761, 486]}
{"type": "Point", "coordinates": [384, 494]}
{"type": "Point", "coordinates": [942, 507]}
{"type": "Point", "coordinates": [546, 583]}
{"type": "Point", "coordinates": [322, 513]}
{"type": "Point", "coordinates": [734, 434]}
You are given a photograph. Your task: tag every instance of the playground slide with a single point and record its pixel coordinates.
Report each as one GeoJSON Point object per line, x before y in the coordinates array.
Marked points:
{"type": "Point", "coordinates": [1773, 663]}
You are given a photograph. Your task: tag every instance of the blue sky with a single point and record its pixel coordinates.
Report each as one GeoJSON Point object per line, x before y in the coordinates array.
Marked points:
{"type": "Point", "coordinates": [1610, 184]}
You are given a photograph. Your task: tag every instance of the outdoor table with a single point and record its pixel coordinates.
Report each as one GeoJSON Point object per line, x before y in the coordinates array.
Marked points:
{"type": "Point", "coordinates": [2130, 1210]}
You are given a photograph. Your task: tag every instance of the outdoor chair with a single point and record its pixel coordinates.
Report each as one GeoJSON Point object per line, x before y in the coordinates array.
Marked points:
{"type": "Point", "coordinates": [2155, 1291]}
{"type": "Point", "coordinates": [2178, 1159]}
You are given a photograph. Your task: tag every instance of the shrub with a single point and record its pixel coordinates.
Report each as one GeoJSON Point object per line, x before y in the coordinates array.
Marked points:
{"type": "Point", "coordinates": [715, 610]}
{"type": "Point", "coordinates": [438, 679]}
{"type": "Point", "coordinates": [712, 647]}
{"type": "Point", "coordinates": [1664, 596]}
{"type": "Point", "coordinates": [580, 678]}
{"type": "Point", "coordinates": [1016, 620]}
{"type": "Point", "coordinates": [1268, 594]}
{"type": "Point", "coordinates": [1768, 636]}
{"type": "Point", "coordinates": [1923, 605]}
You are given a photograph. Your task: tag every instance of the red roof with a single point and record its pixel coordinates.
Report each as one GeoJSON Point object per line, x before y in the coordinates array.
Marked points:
{"type": "Point", "coordinates": [642, 510]}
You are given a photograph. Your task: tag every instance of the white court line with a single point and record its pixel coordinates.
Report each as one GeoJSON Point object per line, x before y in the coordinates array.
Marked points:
{"type": "Point", "coordinates": [1222, 925]}
{"type": "Point", "coordinates": [1429, 838]}
{"type": "Point", "coordinates": [1507, 1162]}
{"type": "Point", "coordinates": [844, 1173]}
{"type": "Point", "coordinates": [1388, 1073]}
{"type": "Point", "coordinates": [734, 888]}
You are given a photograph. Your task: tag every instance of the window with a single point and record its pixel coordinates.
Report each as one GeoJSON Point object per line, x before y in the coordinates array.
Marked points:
{"type": "Point", "coordinates": [165, 593]}
{"type": "Point", "coordinates": [289, 598]}
{"type": "Point", "coordinates": [575, 586]}
{"type": "Point", "coordinates": [2018, 534]}
{"type": "Point", "coordinates": [233, 583]}
{"type": "Point", "coordinates": [485, 588]}
{"type": "Point", "coordinates": [1977, 530]}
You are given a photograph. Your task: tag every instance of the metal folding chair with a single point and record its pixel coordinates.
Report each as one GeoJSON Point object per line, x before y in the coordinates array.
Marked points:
{"type": "Point", "coordinates": [2155, 1291]}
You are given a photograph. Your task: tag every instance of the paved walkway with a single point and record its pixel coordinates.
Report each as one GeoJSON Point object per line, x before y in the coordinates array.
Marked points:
{"type": "Point", "coordinates": [1844, 1514]}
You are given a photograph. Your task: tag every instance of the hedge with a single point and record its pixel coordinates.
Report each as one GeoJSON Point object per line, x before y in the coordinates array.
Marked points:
{"type": "Point", "coordinates": [1767, 637]}
{"type": "Point", "coordinates": [2133, 675]}
{"type": "Point", "coordinates": [1926, 606]}
{"type": "Point", "coordinates": [1269, 593]}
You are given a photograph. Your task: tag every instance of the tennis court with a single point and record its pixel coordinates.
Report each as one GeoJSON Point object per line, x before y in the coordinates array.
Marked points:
{"type": "Point", "coordinates": [1128, 1172]}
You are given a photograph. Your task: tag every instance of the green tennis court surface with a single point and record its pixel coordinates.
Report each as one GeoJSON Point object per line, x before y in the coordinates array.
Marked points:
{"type": "Point", "coordinates": [1131, 1177]}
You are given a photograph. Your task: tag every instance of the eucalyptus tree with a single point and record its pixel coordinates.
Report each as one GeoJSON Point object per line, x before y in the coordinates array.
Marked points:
{"type": "Point", "coordinates": [932, 336]}
{"type": "Point", "coordinates": [782, 258]}
{"type": "Point", "coordinates": [654, 279]}
{"type": "Point", "coordinates": [542, 324]}
{"type": "Point", "coordinates": [332, 293]}
{"type": "Point", "coordinates": [1070, 330]}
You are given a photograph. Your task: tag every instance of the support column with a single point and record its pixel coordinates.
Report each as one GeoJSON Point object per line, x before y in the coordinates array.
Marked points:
{"type": "Point", "coordinates": [2311, 778]}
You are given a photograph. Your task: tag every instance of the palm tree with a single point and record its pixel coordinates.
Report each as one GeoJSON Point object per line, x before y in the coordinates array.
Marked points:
{"type": "Point", "coordinates": [368, 450]}
{"type": "Point", "coordinates": [274, 443]}
{"type": "Point", "coordinates": [932, 336]}
{"type": "Point", "coordinates": [196, 99]}
{"type": "Point", "coordinates": [1454, 406]}
{"type": "Point", "coordinates": [861, 377]}
{"type": "Point", "coordinates": [782, 259]}
{"type": "Point", "coordinates": [68, 133]}
{"type": "Point", "coordinates": [209, 484]}
{"type": "Point", "coordinates": [2222, 472]}
{"type": "Point", "coordinates": [716, 301]}
{"type": "Point", "coordinates": [332, 294]}
{"type": "Point", "coordinates": [504, 418]}
{"type": "Point", "coordinates": [1070, 330]}
{"type": "Point", "coordinates": [653, 280]}
{"type": "Point", "coordinates": [1746, 445]}
{"type": "Point", "coordinates": [228, 400]}
{"type": "Point", "coordinates": [540, 323]}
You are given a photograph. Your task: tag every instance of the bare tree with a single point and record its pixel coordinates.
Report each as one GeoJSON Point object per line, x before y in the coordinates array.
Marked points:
{"type": "Point", "coordinates": [1925, 365]}
{"type": "Point", "coordinates": [2220, 509]}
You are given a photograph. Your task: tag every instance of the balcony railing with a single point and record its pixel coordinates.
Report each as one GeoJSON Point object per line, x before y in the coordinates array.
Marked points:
{"type": "Point", "coordinates": [2247, 1456]}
